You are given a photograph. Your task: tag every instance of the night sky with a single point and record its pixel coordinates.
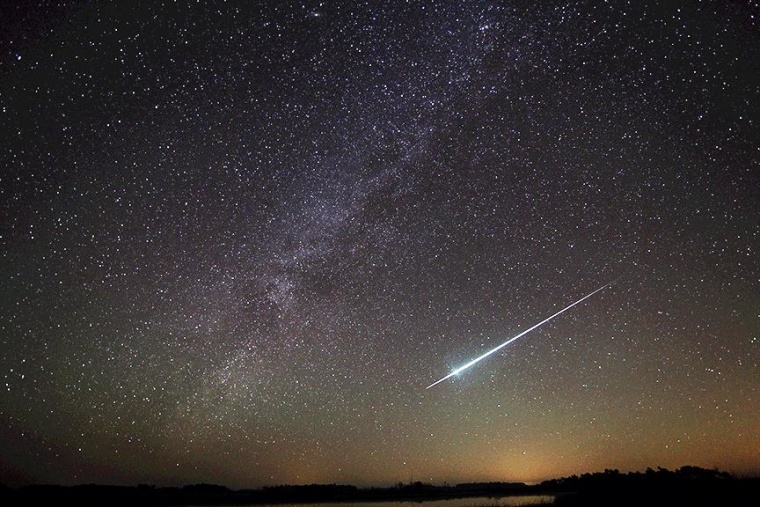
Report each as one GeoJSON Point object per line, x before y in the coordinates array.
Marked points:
{"type": "Point", "coordinates": [239, 240]}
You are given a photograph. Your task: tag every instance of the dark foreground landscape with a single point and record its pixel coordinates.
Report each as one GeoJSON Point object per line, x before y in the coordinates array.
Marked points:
{"type": "Point", "coordinates": [685, 486]}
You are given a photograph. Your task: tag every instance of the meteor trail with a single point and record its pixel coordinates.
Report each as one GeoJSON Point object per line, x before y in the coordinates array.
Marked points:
{"type": "Point", "coordinates": [483, 356]}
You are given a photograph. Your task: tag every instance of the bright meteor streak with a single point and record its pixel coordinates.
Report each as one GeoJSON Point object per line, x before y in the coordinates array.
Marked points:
{"type": "Point", "coordinates": [495, 349]}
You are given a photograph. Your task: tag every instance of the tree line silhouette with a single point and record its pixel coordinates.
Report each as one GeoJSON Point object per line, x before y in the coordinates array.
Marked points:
{"type": "Point", "coordinates": [688, 485]}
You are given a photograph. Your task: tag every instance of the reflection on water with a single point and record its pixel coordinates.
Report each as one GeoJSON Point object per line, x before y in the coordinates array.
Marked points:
{"type": "Point", "coordinates": [482, 501]}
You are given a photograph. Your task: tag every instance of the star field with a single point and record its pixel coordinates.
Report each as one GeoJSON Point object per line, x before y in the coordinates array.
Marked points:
{"type": "Point", "coordinates": [239, 239]}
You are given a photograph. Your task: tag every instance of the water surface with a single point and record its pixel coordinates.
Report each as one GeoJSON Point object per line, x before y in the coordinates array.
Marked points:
{"type": "Point", "coordinates": [477, 501]}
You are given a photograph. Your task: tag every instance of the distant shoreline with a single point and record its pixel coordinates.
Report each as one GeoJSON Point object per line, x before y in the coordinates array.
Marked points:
{"type": "Point", "coordinates": [685, 486]}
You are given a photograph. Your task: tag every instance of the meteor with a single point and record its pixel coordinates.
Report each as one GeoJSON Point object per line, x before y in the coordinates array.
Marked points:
{"type": "Point", "coordinates": [499, 347]}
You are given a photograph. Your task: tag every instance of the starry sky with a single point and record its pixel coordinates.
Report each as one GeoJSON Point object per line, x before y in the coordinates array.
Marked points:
{"type": "Point", "coordinates": [239, 239]}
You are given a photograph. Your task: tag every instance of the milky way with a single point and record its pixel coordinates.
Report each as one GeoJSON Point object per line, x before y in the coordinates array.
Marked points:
{"type": "Point", "coordinates": [239, 239]}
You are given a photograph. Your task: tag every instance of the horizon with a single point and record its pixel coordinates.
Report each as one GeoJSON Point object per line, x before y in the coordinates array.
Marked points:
{"type": "Point", "coordinates": [275, 242]}
{"type": "Point", "coordinates": [410, 481]}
